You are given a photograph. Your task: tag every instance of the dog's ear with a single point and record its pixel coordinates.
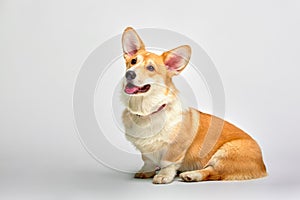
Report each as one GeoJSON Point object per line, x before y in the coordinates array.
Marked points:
{"type": "Point", "coordinates": [177, 59]}
{"type": "Point", "coordinates": [131, 42]}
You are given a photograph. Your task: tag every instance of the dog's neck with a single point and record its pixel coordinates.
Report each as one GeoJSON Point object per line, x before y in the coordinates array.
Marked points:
{"type": "Point", "coordinates": [145, 105]}
{"type": "Point", "coordinates": [158, 110]}
{"type": "Point", "coordinates": [143, 108]}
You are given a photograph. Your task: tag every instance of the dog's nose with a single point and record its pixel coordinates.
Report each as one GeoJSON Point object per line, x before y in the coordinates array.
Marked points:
{"type": "Point", "coordinates": [130, 75]}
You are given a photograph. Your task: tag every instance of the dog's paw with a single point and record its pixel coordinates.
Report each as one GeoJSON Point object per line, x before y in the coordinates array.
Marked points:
{"type": "Point", "coordinates": [162, 179]}
{"type": "Point", "coordinates": [144, 175]}
{"type": "Point", "coordinates": [191, 176]}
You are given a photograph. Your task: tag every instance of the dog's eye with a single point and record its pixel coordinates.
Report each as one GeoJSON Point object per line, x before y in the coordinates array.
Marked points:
{"type": "Point", "coordinates": [133, 61]}
{"type": "Point", "coordinates": [150, 68]}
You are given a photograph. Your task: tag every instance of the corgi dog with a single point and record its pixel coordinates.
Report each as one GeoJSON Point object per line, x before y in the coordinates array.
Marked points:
{"type": "Point", "coordinates": [174, 139]}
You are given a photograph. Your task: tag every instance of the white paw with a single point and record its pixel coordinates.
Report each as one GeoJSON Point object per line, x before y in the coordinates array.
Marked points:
{"type": "Point", "coordinates": [162, 179]}
{"type": "Point", "coordinates": [191, 176]}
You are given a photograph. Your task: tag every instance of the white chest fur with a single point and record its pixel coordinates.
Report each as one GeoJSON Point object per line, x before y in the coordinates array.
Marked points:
{"type": "Point", "coordinates": [153, 133]}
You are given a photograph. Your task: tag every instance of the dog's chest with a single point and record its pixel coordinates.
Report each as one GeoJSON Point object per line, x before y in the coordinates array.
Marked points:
{"type": "Point", "coordinates": [149, 134]}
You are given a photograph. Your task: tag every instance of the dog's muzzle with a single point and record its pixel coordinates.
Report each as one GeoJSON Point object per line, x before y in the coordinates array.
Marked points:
{"type": "Point", "coordinates": [130, 75]}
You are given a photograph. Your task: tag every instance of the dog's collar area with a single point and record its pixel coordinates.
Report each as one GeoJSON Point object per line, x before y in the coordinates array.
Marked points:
{"type": "Point", "coordinates": [159, 109]}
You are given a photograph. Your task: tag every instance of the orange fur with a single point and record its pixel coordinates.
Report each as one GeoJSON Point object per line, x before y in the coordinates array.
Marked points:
{"type": "Point", "coordinates": [241, 158]}
{"type": "Point", "coordinates": [174, 138]}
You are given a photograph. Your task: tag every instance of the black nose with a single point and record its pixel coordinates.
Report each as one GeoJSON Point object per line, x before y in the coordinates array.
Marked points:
{"type": "Point", "coordinates": [130, 75]}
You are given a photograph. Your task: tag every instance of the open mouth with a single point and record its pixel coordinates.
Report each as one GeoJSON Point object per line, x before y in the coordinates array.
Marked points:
{"type": "Point", "coordinates": [133, 89]}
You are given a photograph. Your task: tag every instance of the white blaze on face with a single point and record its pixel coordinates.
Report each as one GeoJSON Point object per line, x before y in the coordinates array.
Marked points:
{"type": "Point", "coordinates": [142, 77]}
{"type": "Point", "coordinates": [136, 68]}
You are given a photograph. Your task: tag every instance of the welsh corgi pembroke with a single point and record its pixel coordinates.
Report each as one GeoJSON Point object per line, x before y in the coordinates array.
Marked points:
{"type": "Point", "coordinates": [174, 139]}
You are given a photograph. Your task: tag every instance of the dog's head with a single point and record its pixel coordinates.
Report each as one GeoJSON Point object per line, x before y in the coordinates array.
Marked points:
{"type": "Point", "coordinates": [148, 74]}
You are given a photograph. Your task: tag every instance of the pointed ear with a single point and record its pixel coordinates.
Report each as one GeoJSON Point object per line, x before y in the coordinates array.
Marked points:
{"type": "Point", "coordinates": [177, 59]}
{"type": "Point", "coordinates": [131, 42]}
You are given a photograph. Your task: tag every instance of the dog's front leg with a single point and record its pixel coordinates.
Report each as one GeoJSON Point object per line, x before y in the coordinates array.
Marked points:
{"type": "Point", "coordinates": [166, 174]}
{"type": "Point", "coordinates": [148, 170]}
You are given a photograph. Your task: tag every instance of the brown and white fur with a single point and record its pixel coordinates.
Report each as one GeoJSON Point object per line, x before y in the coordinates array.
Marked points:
{"type": "Point", "coordinates": [171, 137]}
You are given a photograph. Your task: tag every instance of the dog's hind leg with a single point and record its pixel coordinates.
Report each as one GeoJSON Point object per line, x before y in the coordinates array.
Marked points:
{"type": "Point", "coordinates": [207, 173]}
{"type": "Point", "coordinates": [235, 160]}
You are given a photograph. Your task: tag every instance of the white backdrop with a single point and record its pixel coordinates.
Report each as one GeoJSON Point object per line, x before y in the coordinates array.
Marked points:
{"type": "Point", "coordinates": [255, 46]}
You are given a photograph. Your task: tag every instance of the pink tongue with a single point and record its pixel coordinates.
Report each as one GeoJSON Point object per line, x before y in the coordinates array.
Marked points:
{"type": "Point", "coordinates": [131, 90]}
